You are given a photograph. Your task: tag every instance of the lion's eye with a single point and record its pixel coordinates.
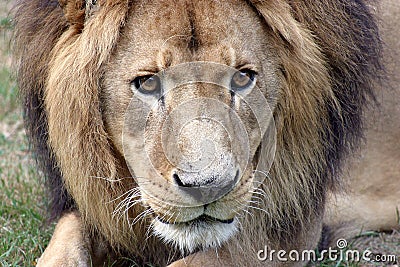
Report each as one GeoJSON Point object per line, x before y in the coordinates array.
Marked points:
{"type": "Point", "coordinates": [148, 84]}
{"type": "Point", "coordinates": [242, 79]}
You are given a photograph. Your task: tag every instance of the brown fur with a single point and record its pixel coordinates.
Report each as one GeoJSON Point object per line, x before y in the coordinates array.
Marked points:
{"type": "Point", "coordinates": [327, 57]}
{"type": "Point", "coordinates": [371, 201]}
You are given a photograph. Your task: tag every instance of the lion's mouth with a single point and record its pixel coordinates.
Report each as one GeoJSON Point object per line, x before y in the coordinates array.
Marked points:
{"type": "Point", "coordinates": [201, 219]}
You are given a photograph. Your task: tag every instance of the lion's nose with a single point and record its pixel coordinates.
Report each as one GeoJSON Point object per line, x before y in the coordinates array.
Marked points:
{"type": "Point", "coordinates": [188, 183]}
{"type": "Point", "coordinates": [205, 188]}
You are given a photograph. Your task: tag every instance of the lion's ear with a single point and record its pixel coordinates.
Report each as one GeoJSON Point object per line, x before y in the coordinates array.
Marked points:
{"type": "Point", "coordinates": [77, 11]}
{"type": "Point", "coordinates": [278, 15]}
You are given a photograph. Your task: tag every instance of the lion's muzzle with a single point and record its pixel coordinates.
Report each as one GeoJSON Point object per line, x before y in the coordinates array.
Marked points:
{"type": "Point", "coordinates": [201, 151]}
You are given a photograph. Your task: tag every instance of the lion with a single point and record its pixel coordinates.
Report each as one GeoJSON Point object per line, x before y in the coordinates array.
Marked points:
{"type": "Point", "coordinates": [201, 132]}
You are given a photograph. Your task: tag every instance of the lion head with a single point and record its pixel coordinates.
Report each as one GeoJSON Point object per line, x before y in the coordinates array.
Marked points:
{"type": "Point", "coordinates": [203, 121]}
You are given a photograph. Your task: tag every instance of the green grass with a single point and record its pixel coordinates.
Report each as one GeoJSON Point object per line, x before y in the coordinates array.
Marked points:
{"type": "Point", "coordinates": [22, 231]}
{"type": "Point", "coordinates": [21, 219]}
{"type": "Point", "coordinates": [5, 23]}
{"type": "Point", "coordinates": [21, 211]}
{"type": "Point", "coordinates": [8, 96]}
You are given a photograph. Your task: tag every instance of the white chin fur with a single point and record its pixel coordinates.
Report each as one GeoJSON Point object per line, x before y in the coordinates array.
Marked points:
{"type": "Point", "coordinates": [195, 235]}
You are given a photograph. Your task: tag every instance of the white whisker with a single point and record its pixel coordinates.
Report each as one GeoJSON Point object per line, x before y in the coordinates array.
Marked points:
{"type": "Point", "coordinates": [260, 209]}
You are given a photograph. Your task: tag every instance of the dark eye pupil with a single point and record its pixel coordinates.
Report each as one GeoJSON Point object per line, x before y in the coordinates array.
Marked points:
{"type": "Point", "coordinates": [242, 79]}
{"type": "Point", "coordinates": [147, 84]}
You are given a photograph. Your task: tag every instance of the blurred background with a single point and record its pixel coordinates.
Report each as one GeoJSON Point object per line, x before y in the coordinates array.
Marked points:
{"type": "Point", "coordinates": [23, 232]}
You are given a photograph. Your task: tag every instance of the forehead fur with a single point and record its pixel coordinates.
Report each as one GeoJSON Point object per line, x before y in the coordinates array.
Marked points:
{"type": "Point", "coordinates": [180, 31]}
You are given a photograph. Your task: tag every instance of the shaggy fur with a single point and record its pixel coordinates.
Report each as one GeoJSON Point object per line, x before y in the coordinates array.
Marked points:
{"type": "Point", "coordinates": [329, 56]}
